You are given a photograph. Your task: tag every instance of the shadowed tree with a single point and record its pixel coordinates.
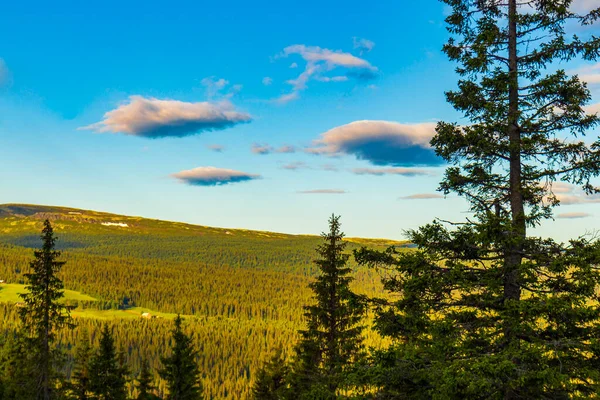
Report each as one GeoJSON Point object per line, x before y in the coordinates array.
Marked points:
{"type": "Point", "coordinates": [80, 377]}
{"type": "Point", "coordinates": [485, 310]}
{"type": "Point", "coordinates": [16, 370]}
{"type": "Point", "coordinates": [180, 369]}
{"type": "Point", "coordinates": [333, 338]}
{"type": "Point", "coordinates": [108, 375]}
{"type": "Point", "coordinates": [144, 383]}
{"type": "Point", "coordinates": [271, 380]}
{"type": "Point", "coordinates": [43, 314]}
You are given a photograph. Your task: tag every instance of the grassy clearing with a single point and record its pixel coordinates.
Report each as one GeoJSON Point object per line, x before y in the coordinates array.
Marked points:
{"type": "Point", "coordinates": [9, 293]}
{"type": "Point", "coordinates": [130, 313]}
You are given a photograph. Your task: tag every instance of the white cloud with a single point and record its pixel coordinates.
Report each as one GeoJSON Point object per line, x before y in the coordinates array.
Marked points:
{"type": "Point", "coordinates": [380, 142]}
{"type": "Point", "coordinates": [574, 215]}
{"type": "Point", "coordinates": [286, 98]}
{"type": "Point", "coordinates": [155, 118]}
{"type": "Point", "coordinates": [294, 65]}
{"type": "Point", "coordinates": [216, 148]}
{"type": "Point", "coordinates": [212, 176]}
{"type": "Point", "coordinates": [593, 108]}
{"type": "Point", "coordinates": [320, 61]}
{"type": "Point", "coordinates": [267, 81]}
{"type": "Point", "coordinates": [315, 54]}
{"type": "Point", "coordinates": [261, 149]}
{"type": "Point", "coordinates": [323, 191]}
{"type": "Point", "coordinates": [589, 74]}
{"type": "Point", "coordinates": [584, 6]}
{"type": "Point", "coordinates": [295, 166]}
{"type": "Point", "coordinates": [390, 171]}
{"type": "Point", "coordinates": [363, 45]}
{"type": "Point", "coordinates": [423, 196]}
{"type": "Point", "coordinates": [286, 149]}
{"type": "Point", "coordinates": [569, 194]}
{"type": "Point", "coordinates": [213, 85]}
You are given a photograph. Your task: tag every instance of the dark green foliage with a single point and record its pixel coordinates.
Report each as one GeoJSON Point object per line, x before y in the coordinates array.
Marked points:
{"type": "Point", "coordinates": [180, 369]}
{"type": "Point", "coordinates": [332, 340]}
{"type": "Point", "coordinates": [80, 377]}
{"type": "Point", "coordinates": [42, 314]}
{"type": "Point", "coordinates": [107, 372]}
{"type": "Point", "coordinates": [16, 370]}
{"type": "Point", "coordinates": [271, 380]}
{"type": "Point", "coordinates": [144, 383]}
{"type": "Point", "coordinates": [484, 310]}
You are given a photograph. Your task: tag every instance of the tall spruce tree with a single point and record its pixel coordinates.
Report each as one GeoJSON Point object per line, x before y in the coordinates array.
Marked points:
{"type": "Point", "coordinates": [333, 338]}
{"type": "Point", "coordinates": [180, 369]}
{"type": "Point", "coordinates": [43, 314]}
{"type": "Point", "coordinates": [144, 383]}
{"type": "Point", "coordinates": [80, 377]}
{"type": "Point", "coordinates": [485, 310]}
{"type": "Point", "coordinates": [108, 375]}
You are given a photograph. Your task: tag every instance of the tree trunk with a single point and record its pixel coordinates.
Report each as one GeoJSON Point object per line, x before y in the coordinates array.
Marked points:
{"type": "Point", "coordinates": [513, 256]}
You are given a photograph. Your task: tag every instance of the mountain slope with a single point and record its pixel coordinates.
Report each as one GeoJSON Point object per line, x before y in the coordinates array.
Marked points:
{"type": "Point", "coordinates": [242, 290]}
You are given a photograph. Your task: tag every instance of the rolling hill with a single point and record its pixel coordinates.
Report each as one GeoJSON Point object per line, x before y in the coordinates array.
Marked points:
{"type": "Point", "coordinates": [241, 291]}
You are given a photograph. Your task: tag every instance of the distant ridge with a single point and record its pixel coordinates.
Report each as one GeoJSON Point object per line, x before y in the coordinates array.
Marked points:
{"type": "Point", "coordinates": [59, 213]}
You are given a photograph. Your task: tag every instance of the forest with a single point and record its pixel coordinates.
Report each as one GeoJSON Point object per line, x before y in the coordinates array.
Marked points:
{"type": "Point", "coordinates": [479, 308]}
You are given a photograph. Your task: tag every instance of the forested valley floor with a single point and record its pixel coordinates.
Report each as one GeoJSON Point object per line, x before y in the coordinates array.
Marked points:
{"type": "Point", "coordinates": [241, 292]}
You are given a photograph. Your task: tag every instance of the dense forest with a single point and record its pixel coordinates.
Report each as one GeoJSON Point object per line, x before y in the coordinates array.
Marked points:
{"type": "Point", "coordinates": [243, 294]}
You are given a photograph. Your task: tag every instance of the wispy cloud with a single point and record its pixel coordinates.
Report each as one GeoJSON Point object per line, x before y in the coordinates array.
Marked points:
{"type": "Point", "coordinates": [363, 45]}
{"type": "Point", "coordinates": [219, 88]}
{"type": "Point", "coordinates": [321, 61]}
{"type": "Point", "coordinates": [286, 98]}
{"type": "Point", "coordinates": [286, 149]}
{"type": "Point", "coordinates": [380, 142]}
{"type": "Point", "coordinates": [584, 6]}
{"type": "Point", "coordinates": [154, 118]}
{"type": "Point", "coordinates": [267, 81]}
{"type": "Point", "coordinates": [294, 166]}
{"type": "Point", "coordinates": [391, 171]}
{"type": "Point", "coordinates": [423, 196]}
{"type": "Point", "coordinates": [216, 148]}
{"type": "Point", "coordinates": [323, 191]}
{"type": "Point", "coordinates": [261, 149]}
{"type": "Point", "coordinates": [265, 148]}
{"type": "Point", "coordinates": [593, 108]}
{"type": "Point", "coordinates": [569, 194]}
{"type": "Point", "coordinates": [211, 176]}
{"type": "Point", "coordinates": [574, 215]}
{"type": "Point", "coordinates": [589, 74]}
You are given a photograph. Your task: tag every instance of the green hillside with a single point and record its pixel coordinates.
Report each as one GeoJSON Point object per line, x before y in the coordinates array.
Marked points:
{"type": "Point", "coordinates": [242, 291]}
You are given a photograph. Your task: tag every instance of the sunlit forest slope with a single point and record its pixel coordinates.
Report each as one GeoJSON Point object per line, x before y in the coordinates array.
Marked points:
{"type": "Point", "coordinates": [242, 292]}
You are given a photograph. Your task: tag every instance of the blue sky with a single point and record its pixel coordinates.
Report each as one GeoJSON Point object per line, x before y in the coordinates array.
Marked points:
{"type": "Point", "coordinates": [245, 114]}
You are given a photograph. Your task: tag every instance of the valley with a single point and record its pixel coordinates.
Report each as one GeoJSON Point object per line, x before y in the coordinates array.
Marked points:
{"type": "Point", "coordinates": [241, 292]}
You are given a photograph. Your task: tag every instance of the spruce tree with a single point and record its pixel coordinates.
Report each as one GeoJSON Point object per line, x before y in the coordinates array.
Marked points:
{"type": "Point", "coordinates": [16, 370]}
{"type": "Point", "coordinates": [180, 369]}
{"type": "Point", "coordinates": [485, 310]}
{"type": "Point", "coordinates": [144, 383]}
{"type": "Point", "coordinates": [43, 314]}
{"type": "Point", "coordinates": [271, 379]}
{"type": "Point", "coordinates": [80, 377]}
{"type": "Point", "coordinates": [333, 338]}
{"type": "Point", "coordinates": [108, 375]}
